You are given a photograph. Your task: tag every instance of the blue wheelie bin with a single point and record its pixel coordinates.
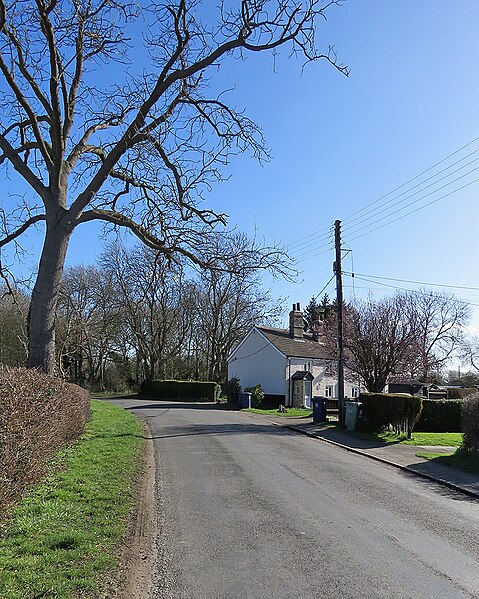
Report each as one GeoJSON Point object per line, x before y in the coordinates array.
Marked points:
{"type": "Point", "coordinates": [319, 409]}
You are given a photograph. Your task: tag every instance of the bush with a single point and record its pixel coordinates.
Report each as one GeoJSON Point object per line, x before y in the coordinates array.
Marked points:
{"type": "Point", "coordinates": [440, 416]}
{"type": "Point", "coordinates": [38, 415]}
{"type": "Point", "coordinates": [470, 422]}
{"type": "Point", "coordinates": [181, 390]}
{"type": "Point", "coordinates": [382, 410]}
{"type": "Point", "coordinates": [257, 395]}
{"type": "Point", "coordinates": [233, 387]}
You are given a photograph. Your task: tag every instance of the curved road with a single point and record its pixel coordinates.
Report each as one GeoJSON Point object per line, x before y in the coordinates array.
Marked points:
{"type": "Point", "coordinates": [250, 510]}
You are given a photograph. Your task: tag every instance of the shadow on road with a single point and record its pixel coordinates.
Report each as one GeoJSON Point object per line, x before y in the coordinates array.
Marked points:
{"type": "Point", "coordinates": [171, 432]}
{"type": "Point", "coordinates": [422, 468]}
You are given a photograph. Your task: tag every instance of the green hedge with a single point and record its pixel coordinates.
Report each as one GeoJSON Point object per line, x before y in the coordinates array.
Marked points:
{"type": "Point", "coordinates": [440, 416]}
{"type": "Point", "coordinates": [181, 390]}
{"type": "Point", "coordinates": [381, 410]}
{"type": "Point", "coordinates": [470, 422]}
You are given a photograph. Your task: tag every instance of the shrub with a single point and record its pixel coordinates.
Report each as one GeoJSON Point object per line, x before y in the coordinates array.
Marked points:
{"type": "Point", "coordinates": [233, 387]}
{"type": "Point", "coordinates": [440, 416]}
{"type": "Point", "coordinates": [470, 422]}
{"type": "Point", "coordinates": [381, 410]}
{"type": "Point", "coordinates": [182, 390]}
{"type": "Point", "coordinates": [38, 415]}
{"type": "Point", "coordinates": [257, 395]}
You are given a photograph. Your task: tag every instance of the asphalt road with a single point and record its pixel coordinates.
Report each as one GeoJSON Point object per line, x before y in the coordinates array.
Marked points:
{"type": "Point", "coordinates": [250, 510]}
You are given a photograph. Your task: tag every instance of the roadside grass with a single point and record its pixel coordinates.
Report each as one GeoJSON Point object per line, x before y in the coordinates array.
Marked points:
{"type": "Point", "coordinates": [425, 439]}
{"type": "Point", "coordinates": [292, 412]}
{"type": "Point", "coordinates": [460, 459]}
{"type": "Point", "coordinates": [60, 540]}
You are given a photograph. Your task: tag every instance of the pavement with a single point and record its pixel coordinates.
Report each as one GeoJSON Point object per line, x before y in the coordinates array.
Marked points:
{"type": "Point", "coordinates": [394, 454]}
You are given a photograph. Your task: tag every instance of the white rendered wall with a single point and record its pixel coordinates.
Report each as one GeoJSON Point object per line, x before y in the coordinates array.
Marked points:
{"type": "Point", "coordinates": [255, 362]}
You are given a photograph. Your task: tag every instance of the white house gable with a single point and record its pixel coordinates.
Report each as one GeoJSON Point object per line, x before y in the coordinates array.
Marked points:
{"type": "Point", "coordinates": [257, 361]}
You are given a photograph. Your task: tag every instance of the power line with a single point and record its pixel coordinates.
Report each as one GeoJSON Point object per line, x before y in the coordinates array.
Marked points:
{"type": "Point", "coordinates": [326, 232]}
{"type": "Point", "coordinates": [412, 282]}
{"type": "Point", "coordinates": [389, 206]}
{"type": "Point", "coordinates": [406, 289]}
{"type": "Point", "coordinates": [325, 287]}
{"type": "Point", "coordinates": [328, 245]}
{"type": "Point", "coordinates": [412, 211]}
{"type": "Point", "coordinates": [412, 179]}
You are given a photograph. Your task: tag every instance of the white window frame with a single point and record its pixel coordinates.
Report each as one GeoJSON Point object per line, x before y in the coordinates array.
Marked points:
{"type": "Point", "coordinates": [329, 392]}
{"type": "Point", "coordinates": [355, 392]}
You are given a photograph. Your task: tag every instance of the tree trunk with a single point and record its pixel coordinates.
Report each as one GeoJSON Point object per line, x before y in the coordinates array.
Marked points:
{"type": "Point", "coordinates": [42, 313]}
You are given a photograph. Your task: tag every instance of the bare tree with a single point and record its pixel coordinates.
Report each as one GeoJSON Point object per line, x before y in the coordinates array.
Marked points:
{"type": "Point", "coordinates": [13, 326]}
{"type": "Point", "coordinates": [469, 351]}
{"type": "Point", "coordinates": [231, 301]}
{"type": "Point", "coordinates": [438, 319]}
{"type": "Point", "coordinates": [139, 152]}
{"type": "Point", "coordinates": [405, 336]}
{"type": "Point", "coordinates": [150, 294]}
{"type": "Point", "coordinates": [89, 324]}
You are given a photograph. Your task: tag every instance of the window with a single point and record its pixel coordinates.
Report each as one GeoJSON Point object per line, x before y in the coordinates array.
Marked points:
{"type": "Point", "coordinates": [329, 391]}
{"type": "Point", "coordinates": [355, 391]}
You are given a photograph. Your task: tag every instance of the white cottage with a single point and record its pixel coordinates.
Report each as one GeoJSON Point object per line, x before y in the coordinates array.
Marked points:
{"type": "Point", "coordinates": [290, 365]}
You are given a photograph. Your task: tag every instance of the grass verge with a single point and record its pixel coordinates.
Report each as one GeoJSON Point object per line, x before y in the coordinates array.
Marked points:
{"type": "Point", "coordinates": [425, 439]}
{"type": "Point", "coordinates": [292, 412]}
{"type": "Point", "coordinates": [462, 460]}
{"type": "Point", "coordinates": [60, 540]}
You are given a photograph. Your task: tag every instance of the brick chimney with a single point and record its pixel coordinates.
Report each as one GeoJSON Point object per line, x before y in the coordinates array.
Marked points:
{"type": "Point", "coordinates": [296, 322]}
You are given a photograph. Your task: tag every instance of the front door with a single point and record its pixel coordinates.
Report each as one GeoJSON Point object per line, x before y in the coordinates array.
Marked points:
{"type": "Point", "coordinates": [308, 391]}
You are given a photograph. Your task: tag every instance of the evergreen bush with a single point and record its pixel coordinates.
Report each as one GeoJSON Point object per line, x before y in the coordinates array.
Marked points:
{"type": "Point", "coordinates": [470, 422]}
{"type": "Point", "coordinates": [440, 416]}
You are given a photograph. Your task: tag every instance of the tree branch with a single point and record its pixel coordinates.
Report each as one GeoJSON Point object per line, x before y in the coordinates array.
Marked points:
{"type": "Point", "coordinates": [27, 224]}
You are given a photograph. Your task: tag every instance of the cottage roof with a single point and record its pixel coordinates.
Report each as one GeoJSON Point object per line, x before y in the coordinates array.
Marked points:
{"type": "Point", "coordinates": [307, 347]}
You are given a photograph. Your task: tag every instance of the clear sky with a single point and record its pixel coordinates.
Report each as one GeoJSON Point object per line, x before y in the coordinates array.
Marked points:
{"type": "Point", "coordinates": [340, 144]}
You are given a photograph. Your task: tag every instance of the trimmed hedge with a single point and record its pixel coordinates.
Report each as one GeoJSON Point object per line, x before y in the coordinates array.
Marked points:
{"type": "Point", "coordinates": [470, 422]}
{"type": "Point", "coordinates": [381, 410]}
{"type": "Point", "coordinates": [38, 415]}
{"type": "Point", "coordinates": [181, 390]}
{"type": "Point", "coordinates": [440, 416]}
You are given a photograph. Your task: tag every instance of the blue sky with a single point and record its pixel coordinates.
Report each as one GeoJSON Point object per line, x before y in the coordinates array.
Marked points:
{"type": "Point", "coordinates": [339, 144]}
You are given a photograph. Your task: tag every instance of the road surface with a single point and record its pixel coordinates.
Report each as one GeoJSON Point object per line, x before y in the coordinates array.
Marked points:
{"type": "Point", "coordinates": [250, 510]}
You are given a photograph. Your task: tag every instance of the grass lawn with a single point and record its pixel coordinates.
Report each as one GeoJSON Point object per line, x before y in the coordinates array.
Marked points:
{"type": "Point", "coordinates": [427, 439]}
{"type": "Point", "coordinates": [60, 540]}
{"type": "Point", "coordinates": [292, 412]}
{"type": "Point", "coordinates": [460, 459]}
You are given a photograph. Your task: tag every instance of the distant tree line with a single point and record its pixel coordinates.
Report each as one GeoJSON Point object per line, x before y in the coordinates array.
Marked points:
{"type": "Point", "coordinates": [137, 316]}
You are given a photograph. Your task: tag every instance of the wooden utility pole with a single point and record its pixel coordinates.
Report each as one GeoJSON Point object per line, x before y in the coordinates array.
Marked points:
{"type": "Point", "coordinates": [337, 269]}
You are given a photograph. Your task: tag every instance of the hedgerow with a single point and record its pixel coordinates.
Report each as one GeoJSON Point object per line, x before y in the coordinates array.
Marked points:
{"type": "Point", "coordinates": [38, 415]}
{"type": "Point", "coordinates": [382, 410]}
{"type": "Point", "coordinates": [470, 422]}
{"type": "Point", "coordinates": [440, 416]}
{"type": "Point", "coordinates": [182, 390]}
